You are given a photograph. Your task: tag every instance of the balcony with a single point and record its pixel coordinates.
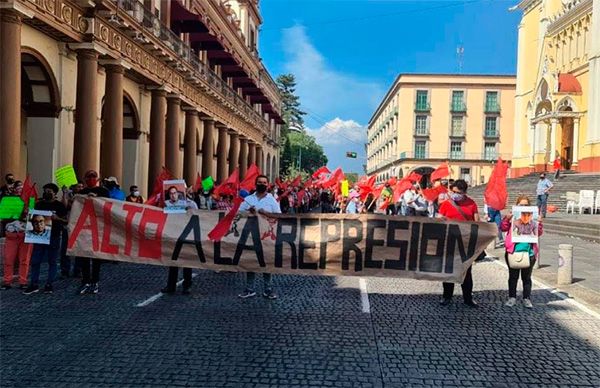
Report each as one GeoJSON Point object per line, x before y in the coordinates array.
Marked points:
{"type": "Point", "coordinates": [421, 132]}
{"type": "Point", "coordinates": [422, 107]}
{"type": "Point", "coordinates": [457, 132]}
{"type": "Point", "coordinates": [492, 108]}
{"type": "Point", "coordinates": [491, 134]}
{"type": "Point", "coordinates": [490, 155]}
{"type": "Point", "coordinates": [458, 107]}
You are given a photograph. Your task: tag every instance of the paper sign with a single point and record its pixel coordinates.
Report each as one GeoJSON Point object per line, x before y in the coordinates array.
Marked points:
{"type": "Point", "coordinates": [65, 176]}
{"type": "Point", "coordinates": [39, 227]}
{"type": "Point", "coordinates": [524, 224]}
{"type": "Point", "coordinates": [208, 183]}
{"type": "Point", "coordinates": [175, 199]}
{"type": "Point", "coordinates": [11, 207]}
{"type": "Point", "coordinates": [345, 189]}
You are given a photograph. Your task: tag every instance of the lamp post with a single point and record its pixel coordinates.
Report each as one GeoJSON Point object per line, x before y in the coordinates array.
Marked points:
{"type": "Point", "coordinates": [296, 128]}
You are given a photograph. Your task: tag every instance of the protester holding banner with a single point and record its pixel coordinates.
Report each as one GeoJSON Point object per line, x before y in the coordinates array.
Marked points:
{"type": "Point", "coordinates": [50, 252]}
{"type": "Point", "coordinates": [529, 250]}
{"type": "Point", "coordinates": [460, 208]}
{"type": "Point", "coordinates": [114, 190]}
{"type": "Point", "coordinates": [263, 203]}
{"type": "Point", "coordinates": [65, 260]}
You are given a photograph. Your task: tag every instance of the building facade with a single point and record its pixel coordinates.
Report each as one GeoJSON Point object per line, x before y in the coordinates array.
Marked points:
{"type": "Point", "coordinates": [126, 87]}
{"type": "Point", "coordinates": [557, 105]}
{"type": "Point", "coordinates": [427, 119]}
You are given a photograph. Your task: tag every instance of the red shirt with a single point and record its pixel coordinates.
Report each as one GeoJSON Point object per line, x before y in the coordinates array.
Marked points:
{"type": "Point", "coordinates": [467, 205]}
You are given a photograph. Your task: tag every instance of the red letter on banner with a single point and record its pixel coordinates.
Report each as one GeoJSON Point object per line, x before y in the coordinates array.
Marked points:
{"type": "Point", "coordinates": [107, 247]}
{"type": "Point", "coordinates": [86, 212]}
{"type": "Point", "coordinates": [151, 247]}
{"type": "Point", "coordinates": [131, 210]}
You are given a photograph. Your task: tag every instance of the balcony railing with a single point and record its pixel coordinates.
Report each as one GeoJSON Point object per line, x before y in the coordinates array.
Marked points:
{"type": "Point", "coordinates": [457, 132]}
{"type": "Point", "coordinates": [491, 156]}
{"type": "Point", "coordinates": [491, 134]}
{"type": "Point", "coordinates": [486, 156]}
{"type": "Point", "coordinates": [422, 107]}
{"type": "Point", "coordinates": [492, 107]}
{"type": "Point", "coordinates": [458, 107]}
{"type": "Point", "coordinates": [155, 27]}
{"type": "Point", "coordinates": [422, 132]}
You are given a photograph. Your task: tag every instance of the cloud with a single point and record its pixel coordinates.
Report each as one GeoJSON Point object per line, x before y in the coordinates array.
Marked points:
{"type": "Point", "coordinates": [338, 132]}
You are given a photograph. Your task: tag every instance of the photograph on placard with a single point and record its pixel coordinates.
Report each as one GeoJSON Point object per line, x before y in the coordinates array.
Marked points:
{"type": "Point", "coordinates": [39, 227]}
{"type": "Point", "coordinates": [175, 199]}
{"type": "Point", "coordinates": [524, 224]}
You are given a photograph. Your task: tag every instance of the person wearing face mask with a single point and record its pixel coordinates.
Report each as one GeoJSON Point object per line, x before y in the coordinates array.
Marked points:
{"type": "Point", "coordinates": [460, 208]}
{"type": "Point", "coordinates": [114, 190]}
{"type": "Point", "coordinates": [264, 203]}
{"type": "Point", "coordinates": [134, 195]}
{"type": "Point", "coordinates": [51, 252]}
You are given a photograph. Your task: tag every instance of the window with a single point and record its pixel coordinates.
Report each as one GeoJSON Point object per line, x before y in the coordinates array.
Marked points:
{"type": "Point", "coordinates": [421, 125]}
{"type": "Point", "coordinates": [490, 127]}
{"type": "Point", "coordinates": [422, 100]}
{"type": "Point", "coordinates": [491, 102]}
{"type": "Point", "coordinates": [457, 126]}
{"type": "Point", "coordinates": [465, 173]}
{"type": "Point", "coordinates": [458, 102]}
{"type": "Point", "coordinates": [456, 151]}
{"type": "Point", "coordinates": [489, 151]}
{"type": "Point", "coordinates": [420, 149]}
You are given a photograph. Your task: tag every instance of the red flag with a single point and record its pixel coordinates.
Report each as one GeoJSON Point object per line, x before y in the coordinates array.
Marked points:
{"type": "Point", "coordinates": [29, 191]}
{"type": "Point", "coordinates": [392, 181]}
{"type": "Point", "coordinates": [414, 177]}
{"type": "Point", "coordinates": [198, 183]}
{"type": "Point", "coordinates": [401, 187]}
{"type": "Point", "coordinates": [296, 182]}
{"type": "Point", "coordinates": [385, 204]}
{"type": "Point", "coordinates": [495, 193]}
{"type": "Point", "coordinates": [230, 186]}
{"type": "Point", "coordinates": [432, 194]}
{"type": "Point", "coordinates": [377, 191]}
{"type": "Point", "coordinates": [223, 226]}
{"type": "Point", "coordinates": [441, 172]}
{"type": "Point", "coordinates": [155, 198]}
{"type": "Point", "coordinates": [366, 187]}
{"type": "Point", "coordinates": [336, 177]}
{"type": "Point", "coordinates": [320, 170]}
{"type": "Point", "coordinates": [249, 180]}
{"type": "Point", "coordinates": [301, 194]}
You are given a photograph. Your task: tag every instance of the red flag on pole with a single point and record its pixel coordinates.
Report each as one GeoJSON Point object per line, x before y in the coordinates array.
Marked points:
{"type": "Point", "coordinates": [336, 177]}
{"type": "Point", "coordinates": [432, 194]}
{"type": "Point", "coordinates": [155, 198]}
{"type": "Point", "coordinates": [296, 182]}
{"type": "Point", "coordinates": [495, 193]}
{"type": "Point", "coordinates": [320, 170]}
{"type": "Point", "coordinates": [250, 178]}
{"type": "Point", "coordinates": [28, 192]}
{"type": "Point", "coordinates": [198, 183]}
{"type": "Point", "coordinates": [441, 172]}
{"type": "Point", "coordinates": [401, 187]}
{"type": "Point", "coordinates": [229, 186]}
{"type": "Point", "coordinates": [223, 226]}
{"type": "Point", "coordinates": [414, 177]}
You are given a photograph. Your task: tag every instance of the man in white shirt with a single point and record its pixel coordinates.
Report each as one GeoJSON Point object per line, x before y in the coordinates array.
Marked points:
{"type": "Point", "coordinates": [264, 203]}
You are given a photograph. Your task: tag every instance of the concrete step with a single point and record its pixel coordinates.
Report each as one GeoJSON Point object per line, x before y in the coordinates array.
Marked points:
{"type": "Point", "coordinates": [565, 229]}
{"type": "Point", "coordinates": [588, 237]}
{"type": "Point", "coordinates": [572, 224]}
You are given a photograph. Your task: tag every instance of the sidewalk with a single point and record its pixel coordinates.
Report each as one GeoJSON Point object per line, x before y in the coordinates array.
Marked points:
{"type": "Point", "coordinates": [586, 267]}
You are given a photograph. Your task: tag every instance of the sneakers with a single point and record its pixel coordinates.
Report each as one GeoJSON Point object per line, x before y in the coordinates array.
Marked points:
{"type": "Point", "coordinates": [527, 304]}
{"type": "Point", "coordinates": [48, 289]}
{"type": "Point", "coordinates": [6, 287]}
{"type": "Point", "coordinates": [84, 289]}
{"type": "Point", "coordinates": [247, 294]}
{"type": "Point", "coordinates": [269, 294]}
{"type": "Point", "coordinates": [31, 290]}
{"type": "Point", "coordinates": [511, 302]}
{"type": "Point", "coordinates": [471, 304]}
{"type": "Point", "coordinates": [94, 289]}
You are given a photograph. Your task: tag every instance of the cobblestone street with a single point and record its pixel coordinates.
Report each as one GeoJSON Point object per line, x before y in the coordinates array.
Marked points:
{"type": "Point", "coordinates": [315, 334]}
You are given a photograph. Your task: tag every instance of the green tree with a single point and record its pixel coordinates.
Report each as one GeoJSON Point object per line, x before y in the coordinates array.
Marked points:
{"type": "Point", "coordinates": [292, 114]}
{"type": "Point", "coordinates": [304, 153]}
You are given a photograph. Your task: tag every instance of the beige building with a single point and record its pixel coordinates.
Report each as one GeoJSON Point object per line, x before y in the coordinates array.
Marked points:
{"type": "Point", "coordinates": [427, 119]}
{"type": "Point", "coordinates": [126, 87]}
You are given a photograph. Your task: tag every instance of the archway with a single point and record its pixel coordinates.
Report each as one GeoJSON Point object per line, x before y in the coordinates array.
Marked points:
{"type": "Point", "coordinates": [566, 134]}
{"type": "Point", "coordinates": [425, 172]}
{"type": "Point", "coordinates": [40, 106]}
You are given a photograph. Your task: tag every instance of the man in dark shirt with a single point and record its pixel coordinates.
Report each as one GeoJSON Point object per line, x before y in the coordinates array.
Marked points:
{"type": "Point", "coordinates": [42, 252]}
{"type": "Point", "coordinates": [89, 281]}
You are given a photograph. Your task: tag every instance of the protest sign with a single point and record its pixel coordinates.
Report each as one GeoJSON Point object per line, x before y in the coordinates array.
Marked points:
{"type": "Point", "coordinates": [308, 244]}
{"type": "Point", "coordinates": [39, 227]}
{"type": "Point", "coordinates": [345, 188]}
{"type": "Point", "coordinates": [524, 224]}
{"type": "Point", "coordinates": [65, 176]}
{"type": "Point", "coordinates": [11, 207]}
{"type": "Point", "coordinates": [208, 183]}
{"type": "Point", "coordinates": [174, 194]}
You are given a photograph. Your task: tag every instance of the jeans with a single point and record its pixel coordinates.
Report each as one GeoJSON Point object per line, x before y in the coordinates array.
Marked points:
{"type": "Point", "coordinates": [251, 276]}
{"type": "Point", "coordinates": [496, 217]}
{"type": "Point", "coordinates": [513, 279]}
{"type": "Point", "coordinates": [85, 263]}
{"type": "Point", "coordinates": [41, 253]}
{"type": "Point", "coordinates": [174, 274]}
{"type": "Point", "coordinates": [542, 202]}
{"type": "Point", "coordinates": [467, 288]}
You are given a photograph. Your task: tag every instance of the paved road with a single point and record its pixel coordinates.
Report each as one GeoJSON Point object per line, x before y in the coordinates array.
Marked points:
{"type": "Point", "coordinates": [316, 334]}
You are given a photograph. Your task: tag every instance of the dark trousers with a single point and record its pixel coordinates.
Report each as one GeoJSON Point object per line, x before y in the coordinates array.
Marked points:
{"type": "Point", "coordinates": [467, 288]}
{"type": "Point", "coordinates": [85, 263]}
{"type": "Point", "coordinates": [174, 274]}
{"type": "Point", "coordinates": [40, 254]}
{"type": "Point", "coordinates": [542, 204]}
{"type": "Point", "coordinates": [65, 261]}
{"type": "Point", "coordinates": [513, 279]}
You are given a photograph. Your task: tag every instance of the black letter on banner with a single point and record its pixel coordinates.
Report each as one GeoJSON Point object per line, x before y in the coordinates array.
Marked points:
{"type": "Point", "coordinates": [432, 263]}
{"type": "Point", "coordinates": [289, 238]}
{"type": "Point", "coordinates": [251, 227]}
{"type": "Point", "coordinates": [192, 225]}
{"type": "Point", "coordinates": [217, 249]}
{"type": "Point", "coordinates": [454, 237]}
{"type": "Point", "coordinates": [414, 244]}
{"type": "Point", "coordinates": [392, 242]}
{"type": "Point", "coordinates": [371, 242]}
{"type": "Point", "coordinates": [306, 244]}
{"type": "Point", "coordinates": [327, 238]}
{"type": "Point", "coordinates": [349, 244]}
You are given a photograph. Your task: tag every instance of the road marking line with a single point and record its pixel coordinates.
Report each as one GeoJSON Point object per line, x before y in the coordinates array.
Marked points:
{"type": "Point", "coordinates": [364, 296]}
{"type": "Point", "coordinates": [156, 297]}
{"type": "Point", "coordinates": [558, 293]}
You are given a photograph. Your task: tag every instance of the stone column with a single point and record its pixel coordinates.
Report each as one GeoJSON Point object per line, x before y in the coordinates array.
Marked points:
{"type": "Point", "coordinates": [222, 155]}
{"type": "Point", "coordinates": [251, 153]}
{"type": "Point", "coordinates": [111, 159]}
{"type": "Point", "coordinates": [158, 111]}
{"type": "Point", "coordinates": [260, 159]}
{"type": "Point", "coordinates": [172, 135]}
{"type": "Point", "coordinates": [575, 141]}
{"type": "Point", "coordinates": [10, 93]}
{"type": "Point", "coordinates": [234, 151]}
{"type": "Point", "coordinates": [87, 140]}
{"type": "Point", "coordinates": [190, 169]}
{"type": "Point", "coordinates": [243, 161]}
{"type": "Point", "coordinates": [553, 122]}
{"type": "Point", "coordinates": [207, 148]}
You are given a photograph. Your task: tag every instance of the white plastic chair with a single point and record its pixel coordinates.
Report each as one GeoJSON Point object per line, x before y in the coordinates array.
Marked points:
{"type": "Point", "coordinates": [572, 199]}
{"type": "Point", "coordinates": [586, 200]}
{"type": "Point", "coordinates": [597, 202]}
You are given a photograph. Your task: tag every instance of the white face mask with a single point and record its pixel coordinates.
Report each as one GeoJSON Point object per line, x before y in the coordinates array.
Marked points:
{"type": "Point", "coordinates": [136, 193]}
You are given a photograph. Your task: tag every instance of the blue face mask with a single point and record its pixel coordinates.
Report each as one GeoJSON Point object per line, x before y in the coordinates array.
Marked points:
{"type": "Point", "coordinates": [456, 197]}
